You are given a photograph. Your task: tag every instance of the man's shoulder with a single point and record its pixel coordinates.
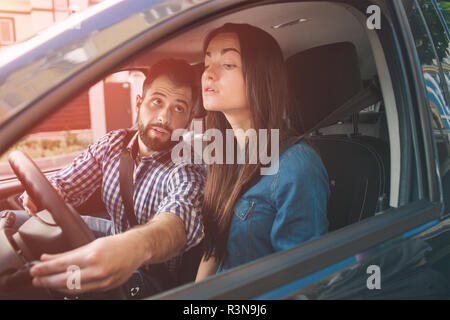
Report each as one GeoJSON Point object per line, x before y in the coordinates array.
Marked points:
{"type": "Point", "coordinates": [109, 144]}
{"type": "Point", "coordinates": [185, 153]}
{"type": "Point", "coordinates": [189, 166]}
{"type": "Point", "coordinates": [117, 136]}
{"type": "Point", "coordinates": [188, 171]}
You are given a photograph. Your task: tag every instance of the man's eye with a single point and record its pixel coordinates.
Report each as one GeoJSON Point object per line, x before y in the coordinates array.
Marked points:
{"type": "Point", "coordinates": [179, 109]}
{"type": "Point", "coordinates": [156, 101]}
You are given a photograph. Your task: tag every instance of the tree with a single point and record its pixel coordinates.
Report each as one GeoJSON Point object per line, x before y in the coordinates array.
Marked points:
{"type": "Point", "coordinates": [423, 42]}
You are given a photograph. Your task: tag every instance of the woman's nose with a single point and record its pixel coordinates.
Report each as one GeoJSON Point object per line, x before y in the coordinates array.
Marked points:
{"type": "Point", "coordinates": [210, 73]}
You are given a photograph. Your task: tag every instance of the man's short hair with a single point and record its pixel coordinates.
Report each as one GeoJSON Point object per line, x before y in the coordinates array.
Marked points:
{"type": "Point", "coordinates": [179, 72]}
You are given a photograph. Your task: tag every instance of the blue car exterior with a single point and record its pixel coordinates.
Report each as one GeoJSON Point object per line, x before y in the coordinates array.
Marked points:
{"type": "Point", "coordinates": [408, 246]}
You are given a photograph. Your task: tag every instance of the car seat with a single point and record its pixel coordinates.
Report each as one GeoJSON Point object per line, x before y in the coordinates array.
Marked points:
{"type": "Point", "coordinates": [322, 79]}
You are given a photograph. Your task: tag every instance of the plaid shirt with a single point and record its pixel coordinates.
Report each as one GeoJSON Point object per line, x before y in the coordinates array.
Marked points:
{"type": "Point", "coordinates": [159, 184]}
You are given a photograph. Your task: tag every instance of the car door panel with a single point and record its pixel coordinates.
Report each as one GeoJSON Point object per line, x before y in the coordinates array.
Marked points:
{"type": "Point", "coordinates": [291, 266]}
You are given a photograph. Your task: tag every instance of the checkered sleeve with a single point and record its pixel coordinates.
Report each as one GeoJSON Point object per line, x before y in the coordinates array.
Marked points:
{"type": "Point", "coordinates": [79, 179]}
{"type": "Point", "coordinates": [185, 200]}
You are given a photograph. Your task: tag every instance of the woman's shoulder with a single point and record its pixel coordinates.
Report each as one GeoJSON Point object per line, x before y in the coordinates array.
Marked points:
{"type": "Point", "coordinates": [300, 165]}
{"type": "Point", "coordinates": [300, 159]}
{"type": "Point", "coordinates": [300, 151]}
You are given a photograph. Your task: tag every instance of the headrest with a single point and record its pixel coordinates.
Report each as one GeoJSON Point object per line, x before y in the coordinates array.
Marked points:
{"type": "Point", "coordinates": [322, 79]}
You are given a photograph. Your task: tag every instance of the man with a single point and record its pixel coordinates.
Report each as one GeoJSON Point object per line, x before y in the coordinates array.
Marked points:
{"type": "Point", "coordinates": [167, 196]}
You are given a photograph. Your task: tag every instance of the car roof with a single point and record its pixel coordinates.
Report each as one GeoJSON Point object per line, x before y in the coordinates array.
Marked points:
{"type": "Point", "coordinates": [295, 26]}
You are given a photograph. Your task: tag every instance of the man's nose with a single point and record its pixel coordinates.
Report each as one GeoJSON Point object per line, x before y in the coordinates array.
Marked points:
{"type": "Point", "coordinates": [164, 116]}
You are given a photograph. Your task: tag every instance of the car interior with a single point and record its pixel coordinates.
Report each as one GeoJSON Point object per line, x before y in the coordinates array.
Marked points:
{"type": "Point", "coordinates": [333, 62]}
{"type": "Point", "coordinates": [344, 99]}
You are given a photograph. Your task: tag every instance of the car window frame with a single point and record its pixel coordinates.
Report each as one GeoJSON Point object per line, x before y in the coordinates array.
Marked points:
{"type": "Point", "coordinates": [441, 17]}
{"type": "Point", "coordinates": [423, 110]}
{"type": "Point", "coordinates": [254, 280]}
{"type": "Point", "coordinates": [422, 139]}
{"type": "Point", "coordinates": [444, 88]}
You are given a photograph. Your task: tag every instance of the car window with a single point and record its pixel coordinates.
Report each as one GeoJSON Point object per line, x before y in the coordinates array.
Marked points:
{"type": "Point", "coordinates": [432, 45]}
{"type": "Point", "coordinates": [57, 140]}
{"type": "Point", "coordinates": [64, 134]}
{"type": "Point", "coordinates": [441, 45]}
{"type": "Point", "coordinates": [444, 8]}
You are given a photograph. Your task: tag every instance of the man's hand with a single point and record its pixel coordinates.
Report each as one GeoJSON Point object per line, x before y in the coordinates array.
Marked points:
{"type": "Point", "coordinates": [30, 206]}
{"type": "Point", "coordinates": [108, 262]}
{"type": "Point", "coordinates": [104, 264]}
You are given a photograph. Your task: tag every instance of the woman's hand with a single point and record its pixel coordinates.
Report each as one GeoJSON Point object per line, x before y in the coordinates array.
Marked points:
{"type": "Point", "coordinates": [206, 268]}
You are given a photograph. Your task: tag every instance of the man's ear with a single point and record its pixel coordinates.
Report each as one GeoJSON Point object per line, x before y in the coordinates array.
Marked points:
{"type": "Point", "coordinates": [138, 101]}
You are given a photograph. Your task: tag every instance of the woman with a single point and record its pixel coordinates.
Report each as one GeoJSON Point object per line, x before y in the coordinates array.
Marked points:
{"type": "Point", "coordinates": [248, 215]}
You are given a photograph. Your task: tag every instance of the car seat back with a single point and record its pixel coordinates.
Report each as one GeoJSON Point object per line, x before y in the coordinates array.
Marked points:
{"type": "Point", "coordinates": [322, 79]}
{"type": "Point", "coordinates": [357, 175]}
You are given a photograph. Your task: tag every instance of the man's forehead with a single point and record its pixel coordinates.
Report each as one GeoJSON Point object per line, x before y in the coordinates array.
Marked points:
{"type": "Point", "coordinates": [164, 85]}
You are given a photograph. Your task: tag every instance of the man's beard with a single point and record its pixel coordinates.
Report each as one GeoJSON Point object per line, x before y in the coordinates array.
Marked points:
{"type": "Point", "coordinates": [154, 144]}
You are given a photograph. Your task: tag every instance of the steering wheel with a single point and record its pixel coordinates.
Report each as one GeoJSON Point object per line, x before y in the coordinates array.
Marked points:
{"type": "Point", "coordinates": [75, 230]}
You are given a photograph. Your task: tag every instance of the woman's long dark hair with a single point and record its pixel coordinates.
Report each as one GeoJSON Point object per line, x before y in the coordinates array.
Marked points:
{"type": "Point", "coordinates": [269, 100]}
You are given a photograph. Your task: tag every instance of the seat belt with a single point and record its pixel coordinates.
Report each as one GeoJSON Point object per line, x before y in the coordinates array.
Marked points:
{"type": "Point", "coordinates": [364, 98]}
{"type": "Point", "coordinates": [158, 274]}
{"type": "Point", "coordinates": [126, 169]}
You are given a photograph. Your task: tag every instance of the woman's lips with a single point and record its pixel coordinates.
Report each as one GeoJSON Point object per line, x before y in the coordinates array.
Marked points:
{"type": "Point", "coordinates": [210, 90]}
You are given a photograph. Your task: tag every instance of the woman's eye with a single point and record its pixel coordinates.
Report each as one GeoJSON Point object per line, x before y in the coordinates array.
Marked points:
{"type": "Point", "coordinates": [228, 66]}
{"type": "Point", "coordinates": [206, 67]}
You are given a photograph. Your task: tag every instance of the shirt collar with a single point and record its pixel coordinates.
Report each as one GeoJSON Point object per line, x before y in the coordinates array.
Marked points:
{"type": "Point", "coordinates": [133, 147]}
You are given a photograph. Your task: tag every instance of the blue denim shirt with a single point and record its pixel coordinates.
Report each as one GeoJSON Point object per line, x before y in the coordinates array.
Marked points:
{"type": "Point", "coordinates": [281, 210]}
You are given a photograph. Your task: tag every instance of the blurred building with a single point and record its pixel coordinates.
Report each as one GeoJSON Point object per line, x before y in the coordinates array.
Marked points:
{"type": "Point", "coordinates": [22, 19]}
